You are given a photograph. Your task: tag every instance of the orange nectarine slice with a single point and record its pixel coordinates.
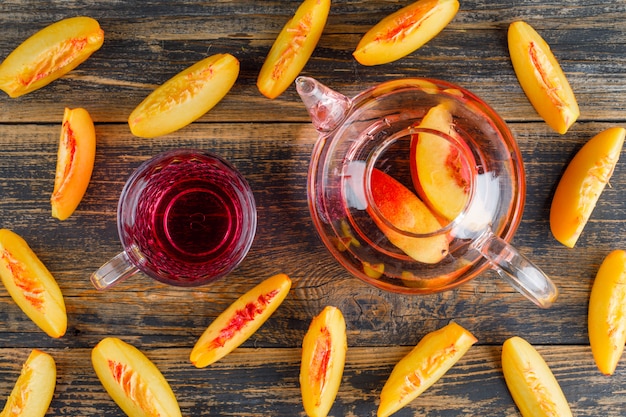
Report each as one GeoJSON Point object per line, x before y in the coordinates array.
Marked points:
{"type": "Point", "coordinates": [440, 171]}
{"type": "Point", "coordinates": [323, 357]}
{"type": "Point", "coordinates": [132, 380]}
{"type": "Point", "coordinates": [33, 391]}
{"type": "Point", "coordinates": [433, 356]}
{"type": "Point", "coordinates": [607, 312]}
{"type": "Point", "coordinates": [49, 54]}
{"type": "Point", "coordinates": [534, 388]}
{"type": "Point", "coordinates": [582, 183]}
{"type": "Point", "coordinates": [185, 97]}
{"type": "Point", "coordinates": [293, 47]}
{"type": "Point", "coordinates": [541, 77]}
{"type": "Point", "coordinates": [75, 159]}
{"type": "Point", "coordinates": [404, 31]}
{"type": "Point", "coordinates": [240, 320]}
{"type": "Point", "coordinates": [373, 270]}
{"type": "Point", "coordinates": [407, 213]}
{"type": "Point", "coordinates": [31, 285]}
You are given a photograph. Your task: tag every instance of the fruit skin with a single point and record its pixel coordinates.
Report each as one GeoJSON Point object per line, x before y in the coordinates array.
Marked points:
{"type": "Point", "coordinates": [403, 209]}
{"type": "Point", "coordinates": [433, 356]}
{"type": "Point", "coordinates": [582, 183]}
{"type": "Point", "coordinates": [132, 380]}
{"type": "Point", "coordinates": [185, 97]}
{"type": "Point", "coordinates": [33, 391]}
{"type": "Point", "coordinates": [75, 160]}
{"type": "Point", "coordinates": [541, 77]}
{"type": "Point", "coordinates": [323, 358]}
{"type": "Point", "coordinates": [31, 285]}
{"type": "Point", "coordinates": [534, 388]}
{"type": "Point", "coordinates": [49, 54]}
{"type": "Point", "coordinates": [240, 320]}
{"type": "Point", "coordinates": [607, 312]}
{"type": "Point", "coordinates": [441, 171]}
{"type": "Point", "coordinates": [293, 47]}
{"type": "Point", "coordinates": [404, 31]}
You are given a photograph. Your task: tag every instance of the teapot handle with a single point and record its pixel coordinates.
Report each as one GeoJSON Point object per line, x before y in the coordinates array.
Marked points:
{"type": "Point", "coordinates": [517, 270]}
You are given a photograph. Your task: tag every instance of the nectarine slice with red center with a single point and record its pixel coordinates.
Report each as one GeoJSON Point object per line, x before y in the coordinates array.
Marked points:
{"type": "Point", "coordinates": [534, 388]}
{"type": "Point", "coordinates": [132, 380]}
{"type": "Point", "coordinates": [240, 320]}
{"type": "Point", "coordinates": [582, 183]}
{"type": "Point", "coordinates": [293, 47]}
{"type": "Point", "coordinates": [441, 170]}
{"type": "Point", "coordinates": [541, 77]}
{"type": "Point", "coordinates": [33, 391]}
{"type": "Point", "coordinates": [323, 357]}
{"type": "Point", "coordinates": [397, 205]}
{"type": "Point", "coordinates": [75, 160]}
{"type": "Point", "coordinates": [404, 31]}
{"type": "Point", "coordinates": [31, 285]}
{"type": "Point", "coordinates": [429, 360]}
{"type": "Point", "coordinates": [49, 54]}
{"type": "Point", "coordinates": [185, 97]}
{"type": "Point", "coordinates": [607, 312]}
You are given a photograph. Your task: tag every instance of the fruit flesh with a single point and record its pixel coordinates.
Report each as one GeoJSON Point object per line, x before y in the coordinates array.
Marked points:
{"type": "Point", "coordinates": [75, 161]}
{"type": "Point", "coordinates": [607, 312]}
{"type": "Point", "coordinates": [185, 97]}
{"type": "Point", "coordinates": [429, 360]}
{"type": "Point", "coordinates": [582, 183]}
{"type": "Point", "coordinates": [323, 357]}
{"type": "Point", "coordinates": [240, 320]}
{"type": "Point", "coordinates": [404, 210]}
{"type": "Point", "coordinates": [541, 77]}
{"type": "Point", "coordinates": [34, 388]}
{"type": "Point", "coordinates": [441, 169]}
{"type": "Point", "coordinates": [31, 285]}
{"type": "Point", "coordinates": [132, 380]}
{"type": "Point", "coordinates": [534, 388]}
{"type": "Point", "coordinates": [404, 31]}
{"type": "Point", "coordinates": [49, 54]}
{"type": "Point", "coordinates": [293, 47]}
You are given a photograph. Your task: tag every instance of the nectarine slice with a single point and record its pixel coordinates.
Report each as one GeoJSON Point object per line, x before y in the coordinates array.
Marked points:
{"type": "Point", "coordinates": [323, 357]}
{"type": "Point", "coordinates": [541, 77]}
{"type": "Point", "coordinates": [405, 31]}
{"type": "Point", "coordinates": [75, 160]}
{"type": "Point", "coordinates": [240, 320]}
{"type": "Point", "coordinates": [293, 47]}
{"type": "Point", "coordinates": [429, 360]}
{"type": "Point", "coordinates": [185, 97]}
{"type": "Point", "coordinates": [534, 388]}
{"type": "Point", "coordinates": [49, 54]}
{"type": "Point", "coordinates": [132, 380]}
{"type": "Point", "coordinates": [607, 312]}
{"type": "Point", "coordinates": [407, 213]}
{"type": "Point", "coordinates": [31, 285]}
{"type": "Point", "coordinates": [33, 391]}
{"type": "Point", "coordinates": [441, 170]}
{"type": "Point", "coordinates": [582, 183]}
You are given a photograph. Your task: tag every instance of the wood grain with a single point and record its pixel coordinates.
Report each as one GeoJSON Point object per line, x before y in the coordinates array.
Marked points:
{"type": "Point", "coordinates": [270, 142]}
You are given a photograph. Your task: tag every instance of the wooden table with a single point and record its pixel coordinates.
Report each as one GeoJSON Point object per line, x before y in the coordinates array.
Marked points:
{"type": "Point", "coordinates": [270, 142]}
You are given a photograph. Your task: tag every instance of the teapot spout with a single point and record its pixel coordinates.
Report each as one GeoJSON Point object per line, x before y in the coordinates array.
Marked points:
{"type": "Point", "coordinates": [326, 107]}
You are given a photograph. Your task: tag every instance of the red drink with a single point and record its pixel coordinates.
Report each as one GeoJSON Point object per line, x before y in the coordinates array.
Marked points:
{"type": "Point", "coordinates": [186, 218]}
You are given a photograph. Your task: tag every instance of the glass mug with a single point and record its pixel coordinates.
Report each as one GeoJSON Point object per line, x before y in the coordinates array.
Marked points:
{"type": "Point", "coordinates": [184, 218]}
{"type": "Point", "coordinates": [372, 133]}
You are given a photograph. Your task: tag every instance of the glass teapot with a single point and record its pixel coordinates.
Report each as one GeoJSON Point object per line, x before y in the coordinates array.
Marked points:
{"type": "Point", "coordinates": [377, 154]}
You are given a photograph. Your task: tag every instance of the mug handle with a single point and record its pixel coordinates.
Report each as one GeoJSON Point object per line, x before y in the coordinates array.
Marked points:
{"type": "Point", "coordinates": [517, 270]}
{"type": "Point", "coordinates": [116, 270]}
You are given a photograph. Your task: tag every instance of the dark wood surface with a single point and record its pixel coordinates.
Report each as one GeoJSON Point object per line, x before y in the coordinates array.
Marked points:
{"type": "Point", "coordinates": [270, 142]}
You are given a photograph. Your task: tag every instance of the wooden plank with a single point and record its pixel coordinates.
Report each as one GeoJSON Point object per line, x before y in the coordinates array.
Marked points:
{"type": "Point", "coordinates": [141, 52]}
{"type": "Point", "coordinates": [253, 381]}
{"type": "Point", "coordinates": [277, 173]}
